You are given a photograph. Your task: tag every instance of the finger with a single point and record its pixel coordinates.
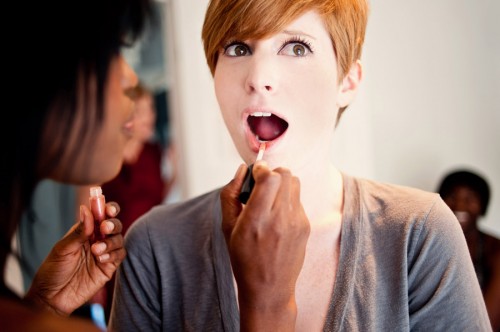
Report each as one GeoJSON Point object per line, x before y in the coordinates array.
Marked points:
{"type": "Point", "coordinates": [109, 262]}
{"type": "Point", "coordinates": [85, 227]}
{"type": "Point", "coordinates": [112, 209]}
{"type": "Point", "coordinates": [260, 169]}
{"type": "Point", "coordinates": [115, 257]}
{"type": "Point", "coordinates": [230, 204]}
{"type": "Point", "coordinates": [88, 221]}
{"type": "Point", "coordinates": [283, 196]}
{"type": "Point", "coordinates": [80, 232]}
{"type": "Point", "coordinates": [111, 226]}
{"type": "Point", "coordinates": [295, 190]}
{"type": "Point", "coordinates": [264, 192]}
{"type": "Point", "coordinates": [114, 242]}
{"type": "Point", "coordinates": [109, 244]}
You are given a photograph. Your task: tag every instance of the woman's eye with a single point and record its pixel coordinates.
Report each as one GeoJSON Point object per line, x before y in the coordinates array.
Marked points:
{"type": "Point", "coordinates": [236, 50]}
{"type": "Point", "coordinates": [295, 49]}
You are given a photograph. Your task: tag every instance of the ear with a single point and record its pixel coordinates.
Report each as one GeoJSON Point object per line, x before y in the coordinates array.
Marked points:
{"type": "Point", "coordinates": [349, 85]}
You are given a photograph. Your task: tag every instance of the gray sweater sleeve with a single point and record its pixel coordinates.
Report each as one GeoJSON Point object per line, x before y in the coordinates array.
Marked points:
{"type": "Point", "coordinates": [137, 288]}
{"type": "Point", "coordinates": [176, 276]}
{"type": "Point", "coordinates": [443, 291]}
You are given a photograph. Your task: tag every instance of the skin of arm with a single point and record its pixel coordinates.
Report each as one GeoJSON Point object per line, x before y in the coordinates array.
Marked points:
{"type": "Point", "coordinates": [23, 318]}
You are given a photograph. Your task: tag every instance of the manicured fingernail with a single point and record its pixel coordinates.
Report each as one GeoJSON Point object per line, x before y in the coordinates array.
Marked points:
{"type": "Point", "coordinates": [112, 210]}
{"type": "Point", "coordinates": [100, 247]}
{"type": "Point", "coordinates": [82, 215]}
{"type": "Point", "coordinates": [103, 258]}
{"type": "Point", "coordinates": [110, 226]}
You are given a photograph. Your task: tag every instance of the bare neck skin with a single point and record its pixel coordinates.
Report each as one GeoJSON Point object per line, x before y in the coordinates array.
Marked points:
{"type": "Point", "coordinates": [321, 194]}
{"type": "Point", "coordinates": [321, 184]}
{"type": "Point", "coordinates": [132, 150]}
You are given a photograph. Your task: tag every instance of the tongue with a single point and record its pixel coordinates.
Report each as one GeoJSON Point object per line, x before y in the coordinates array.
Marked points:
{"type": "Point", "coordinates": [268, 128]}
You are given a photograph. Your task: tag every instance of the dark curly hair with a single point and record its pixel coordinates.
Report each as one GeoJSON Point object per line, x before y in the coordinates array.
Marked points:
{"type": "Point", "coordinates": [469, 179]}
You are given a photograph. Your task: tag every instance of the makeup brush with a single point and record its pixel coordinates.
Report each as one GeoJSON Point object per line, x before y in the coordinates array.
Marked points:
{"type": "Point", "coordinates": [249, 182]}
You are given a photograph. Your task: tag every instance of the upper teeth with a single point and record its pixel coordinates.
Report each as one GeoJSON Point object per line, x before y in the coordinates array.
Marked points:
{"type": "Point", "coordinates": [261, 114]}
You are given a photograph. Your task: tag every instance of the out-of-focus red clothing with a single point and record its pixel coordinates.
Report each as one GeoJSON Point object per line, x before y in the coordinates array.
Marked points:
{"type": "Point", "coordinates": [139, 186]}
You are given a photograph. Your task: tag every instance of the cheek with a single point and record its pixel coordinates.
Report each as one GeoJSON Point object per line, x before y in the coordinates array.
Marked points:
{"type": "Point", "coordinates": [450, 202]}
{"type": "Point", "coordinates": [226, 94]}
{"type": "Point", "coordinates": [326, 83]}
{"type": "Point", "coordinates": [108, 153]}
{"type": "Point", "coordinates": [315, 82]}
{"type": "Point", "coordinates": [475, 207]}
{"type": "Point", "coordinates": [110, 142]}
{"type": "Point", "coordinates": [317, 93]}
{"type": "Point", "coordinates": [221, 85]}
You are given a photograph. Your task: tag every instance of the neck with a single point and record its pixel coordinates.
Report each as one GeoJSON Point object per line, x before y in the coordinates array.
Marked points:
{"type": "Point", "coordinates": [132, 150]}
{"type": "Point", "coordinates": [322, 193]}
{"type": "Point", "coordinates": [471, 234]}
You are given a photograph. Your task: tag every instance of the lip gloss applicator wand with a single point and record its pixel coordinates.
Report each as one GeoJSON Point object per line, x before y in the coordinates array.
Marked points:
{"type": "Point", "coordinates": [249, 182]}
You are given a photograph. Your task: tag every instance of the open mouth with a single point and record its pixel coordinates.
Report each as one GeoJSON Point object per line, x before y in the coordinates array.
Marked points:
{"type": "Point", "coordinates": [266, 126]}
{"type": "Point", "coordinates": [462, 216]}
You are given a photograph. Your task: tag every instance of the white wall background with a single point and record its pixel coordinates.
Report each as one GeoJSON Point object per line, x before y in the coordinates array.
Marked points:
{"type": "Point", "coordinates": [430, 101]}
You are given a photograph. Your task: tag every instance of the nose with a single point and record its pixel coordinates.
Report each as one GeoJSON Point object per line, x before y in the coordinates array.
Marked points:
{"type": "Point", "coordinates": [129, 77]}
{"type": "Point", "coordinates": [261, 75]}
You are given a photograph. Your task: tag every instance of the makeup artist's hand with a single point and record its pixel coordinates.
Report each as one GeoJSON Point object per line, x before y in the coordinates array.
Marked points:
{"type": "Point", "coordinates": [266, 240]}
{"type": "Point", "coordinates": [74, 270]}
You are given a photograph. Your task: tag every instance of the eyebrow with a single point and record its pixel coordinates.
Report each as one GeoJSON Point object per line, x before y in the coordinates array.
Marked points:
{"type": "Point", "coordinates": [297, 32]}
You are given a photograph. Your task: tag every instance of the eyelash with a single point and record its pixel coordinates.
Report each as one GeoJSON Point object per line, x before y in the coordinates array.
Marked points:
{"type": "Point", "coordinates": [291, 40]}
{"type": "Point", "coordinates": [298, 40]}
{"type": "Point", "coordinates": [232, 43]}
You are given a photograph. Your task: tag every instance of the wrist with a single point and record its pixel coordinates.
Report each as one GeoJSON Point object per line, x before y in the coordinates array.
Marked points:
{"type": "Point", "coordinates": [268, 315]}
{"type": "Point", "coordinates": [34, 299]}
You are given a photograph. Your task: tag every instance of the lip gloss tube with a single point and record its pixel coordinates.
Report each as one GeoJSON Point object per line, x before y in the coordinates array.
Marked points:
{"type": "Point", "coordinates": [249, 181]}
{"type": "Point", "coordinates": [98, 208]}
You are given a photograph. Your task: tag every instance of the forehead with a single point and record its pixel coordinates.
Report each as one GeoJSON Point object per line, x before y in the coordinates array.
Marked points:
{"type": "Point", "coordinates": [310, 24]}
{"type": "Point", "coordinates": [310, 20]}
{"type": "Point", "coordinates": [463, 190]}
{"type": "Point", "coordinates": [260, 24]}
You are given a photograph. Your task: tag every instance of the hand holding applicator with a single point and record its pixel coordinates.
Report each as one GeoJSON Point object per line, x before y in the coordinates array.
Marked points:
{"type": "Point", "coordinates": [249, 182]}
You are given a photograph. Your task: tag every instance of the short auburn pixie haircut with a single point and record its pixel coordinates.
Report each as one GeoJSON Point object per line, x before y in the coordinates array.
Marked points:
{"type": "Point", "coordinates": [345, 20]}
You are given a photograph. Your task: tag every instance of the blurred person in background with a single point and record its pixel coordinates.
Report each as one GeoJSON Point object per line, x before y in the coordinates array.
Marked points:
{"type": "Point", "coordinates": [468, 194]}
{"type": "Point", "coordinates": [141, 182]}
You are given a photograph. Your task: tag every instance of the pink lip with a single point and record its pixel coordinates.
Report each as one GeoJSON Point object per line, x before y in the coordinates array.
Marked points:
{"type": "Point", "coordinates": [253, 143]}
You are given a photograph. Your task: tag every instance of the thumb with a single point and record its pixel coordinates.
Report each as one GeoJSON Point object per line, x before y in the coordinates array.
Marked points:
{"type": "Point", "coordinates": [231, 206]}
{"type": "Point", "coordinates": [83, 229]}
